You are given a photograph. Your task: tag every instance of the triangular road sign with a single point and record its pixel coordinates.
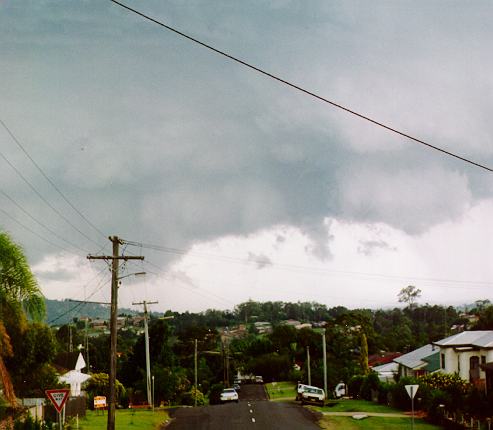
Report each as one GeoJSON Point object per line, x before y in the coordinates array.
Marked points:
{"type": "Point", "coordinates": [58, 397]}
{"type": "Point", "coordinates": [411, 390]}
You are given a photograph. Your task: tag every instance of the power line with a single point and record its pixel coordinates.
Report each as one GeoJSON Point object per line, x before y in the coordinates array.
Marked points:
{"type": "Point", "coordinates": [78, 305]}
{"type": "Point", "coordinates": [46, 202]}
{"type": "Point", "coordinates": [64, 197]}
{"type": "Point", "coordinates": [32, 231]}
{"type": "Point", "coordinates": [54, 233]}
{"type": "Point", "coordinates": [303, 90]}
{"type": "Point", "coordinates": [299, 268]}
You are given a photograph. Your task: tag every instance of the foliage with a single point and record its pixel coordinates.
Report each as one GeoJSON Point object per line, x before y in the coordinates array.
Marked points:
{"type": "Point", "coordinates": [215, 394]}
{"type": "Point", "coordinates": [99, 385]}
{"type": "Point", "coordinates": [32, 354]}
{"type": "Point", "coordinates": [191, 396]}
{"type": "Point", "coordinates": [409, 295]}
{"type": "Point", "coordinates": [20, 297]}
{"type": "Point", "coordinates": [363, 360]}
{"type": "Point", "coordinates": [28, 423]}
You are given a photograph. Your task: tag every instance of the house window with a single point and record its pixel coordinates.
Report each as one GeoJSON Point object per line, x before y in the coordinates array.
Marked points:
{"type": "Point", "coordinates": [442, 356]}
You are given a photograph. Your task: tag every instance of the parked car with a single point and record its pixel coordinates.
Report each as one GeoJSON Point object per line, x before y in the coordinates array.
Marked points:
{"type": "Point", "coordinates": [313, 395]}
{"type": "Point", "coordinates": [300, 388]}
{"type": "Point", "coordinates": [259, 380]}
{"type": "Point", "coordinates": [237, 387]}
{"type": "Point", "coordinates": [229, 395]}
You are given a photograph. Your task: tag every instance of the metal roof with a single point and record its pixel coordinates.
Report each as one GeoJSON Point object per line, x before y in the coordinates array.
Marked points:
{"type": "Point", "coordinates": [478, 338]}
{"type": "Point", "coordinates": [415, 359]}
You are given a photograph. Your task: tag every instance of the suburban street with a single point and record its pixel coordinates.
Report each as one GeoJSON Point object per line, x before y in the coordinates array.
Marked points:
{"type": "Point", "coordinates": [252, 411]}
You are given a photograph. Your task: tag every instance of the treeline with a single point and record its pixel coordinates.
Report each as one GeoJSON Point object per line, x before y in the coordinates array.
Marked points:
{"type": "Point", "coordinates": [281, 354]}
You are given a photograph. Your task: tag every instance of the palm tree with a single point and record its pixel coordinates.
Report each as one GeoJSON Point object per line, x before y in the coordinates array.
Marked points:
{"type": "Point", "coordinates": [20, 298]}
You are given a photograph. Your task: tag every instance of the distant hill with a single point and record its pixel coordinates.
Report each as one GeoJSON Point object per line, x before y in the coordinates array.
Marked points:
{"type": "Point", "coordinates": [59, 312]}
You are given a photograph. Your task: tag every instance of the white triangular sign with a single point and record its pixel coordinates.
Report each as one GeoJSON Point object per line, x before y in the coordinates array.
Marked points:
{"type": "Point", "coordinates": [411, 390]}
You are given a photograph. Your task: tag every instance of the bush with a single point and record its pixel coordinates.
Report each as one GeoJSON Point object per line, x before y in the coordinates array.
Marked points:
{"type": "Point", "coordinates": [215, 394]}
{"type": "Point", "coordinates": [191, 396]}
{"type": "Point", "coordinates": [354, 386]}
{"type": "Point", "coordinates": [369, 385]}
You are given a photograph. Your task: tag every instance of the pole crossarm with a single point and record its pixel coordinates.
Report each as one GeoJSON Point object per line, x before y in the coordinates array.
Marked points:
{"type": "Point", "coordinates": [115, 257]}
{"type": "Point", "coordinates": [115, 262]}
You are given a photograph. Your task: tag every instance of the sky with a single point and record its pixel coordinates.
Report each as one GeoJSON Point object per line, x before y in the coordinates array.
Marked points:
{"type": "Point", "coordinates": [232, 185]}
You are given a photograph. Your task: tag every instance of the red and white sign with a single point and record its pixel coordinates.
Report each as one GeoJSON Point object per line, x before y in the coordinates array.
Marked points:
{"type": "Point", "coordinates": [58, 398]}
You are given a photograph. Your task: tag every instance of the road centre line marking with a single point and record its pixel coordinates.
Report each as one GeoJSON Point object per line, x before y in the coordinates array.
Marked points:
{"type": "Point", "coordinates": [253, 420]}
{"type": "Point", "coordinates": [251, 411]}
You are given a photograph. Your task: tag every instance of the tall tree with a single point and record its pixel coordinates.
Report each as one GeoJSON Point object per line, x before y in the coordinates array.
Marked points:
{"type": "Point", "coordinates": [409, 295]}
{"type": "Point", "coordinates": [20, 297]}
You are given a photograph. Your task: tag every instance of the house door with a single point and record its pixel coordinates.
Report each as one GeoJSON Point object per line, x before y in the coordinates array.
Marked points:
{"type": "Point", "coordinates": [473, 369]}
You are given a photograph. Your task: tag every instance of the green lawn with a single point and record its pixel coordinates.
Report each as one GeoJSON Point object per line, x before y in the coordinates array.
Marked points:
{"type": "Point", "coordinates": [373, 423]}
{"type": "Point", "coordinates": [126, 419]}
{"type": "Point", "coordinates": [281, 390]}
{"type": "Point", "coordinates": [357, 406]}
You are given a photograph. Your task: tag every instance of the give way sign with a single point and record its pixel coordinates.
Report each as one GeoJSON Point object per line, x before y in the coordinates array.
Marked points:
{"type": "Point", "coordinates": [58, 398]}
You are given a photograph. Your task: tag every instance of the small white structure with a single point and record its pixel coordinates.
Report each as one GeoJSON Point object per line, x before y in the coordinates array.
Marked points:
{"type": "Point", "coordinates": [75, 378]}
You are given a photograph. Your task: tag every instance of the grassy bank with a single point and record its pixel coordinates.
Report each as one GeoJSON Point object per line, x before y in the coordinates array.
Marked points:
{"type": "Point", "coordinates": [373, 423]}
{"type": "Point", "coordinates": [281, 390]}
{"type": "Point", "coordinates": [126, 419]}
{"type": "Point", "coordinates": [357, 406]}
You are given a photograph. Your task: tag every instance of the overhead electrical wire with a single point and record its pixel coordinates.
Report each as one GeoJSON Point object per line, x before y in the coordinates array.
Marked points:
{"type": "Point", "coordinates": [45, 201]}
{"type": "Point", "coordinates": [32, 231]}
{"type": "Point", "coordinates": [64, 197]}
{"type": "Point", "coordinates": [317, 271]}
{"type": "Point", "coordinates": [303, 90]}
{"type": "Point", "coordinates": [79, 304]}
{"type": "Point", "coordinates": [54, 233]}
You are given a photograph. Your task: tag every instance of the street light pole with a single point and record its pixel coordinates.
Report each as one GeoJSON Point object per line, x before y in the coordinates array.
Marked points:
{"type": "Point", "coordinates": [148, 356]}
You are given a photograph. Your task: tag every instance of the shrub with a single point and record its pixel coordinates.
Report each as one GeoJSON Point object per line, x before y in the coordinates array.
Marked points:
{"type": "Point", "coordinates": [354, 386]}
{"type": "Point", "coordinates": [215, 394]}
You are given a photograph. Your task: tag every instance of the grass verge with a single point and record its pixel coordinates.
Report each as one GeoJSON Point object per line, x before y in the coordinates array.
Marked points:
{"type": "Point", "coordinates": [373, 423]}
{"type": "Point", "coordinates": [357, 406]}
{"type": "Point", "coordinates": [281, 390]}
{"type": "Point", "coordinates": [125, 419]}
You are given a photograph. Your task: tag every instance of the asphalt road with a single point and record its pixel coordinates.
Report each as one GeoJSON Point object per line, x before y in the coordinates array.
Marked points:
{"type": "Point", "coordinates": [252, 412]}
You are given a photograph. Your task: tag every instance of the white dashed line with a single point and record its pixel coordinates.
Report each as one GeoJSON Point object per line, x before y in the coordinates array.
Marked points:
{"type": "Point", "coordinates": [253, 420]}
{"type": "Point", "coordinates": [251, 411]}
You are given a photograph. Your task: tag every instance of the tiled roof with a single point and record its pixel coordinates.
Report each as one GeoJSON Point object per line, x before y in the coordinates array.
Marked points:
{"type": "Point", "coordinates": [479, 338]}
{"type": "Point", "coordinates": [415, 359]}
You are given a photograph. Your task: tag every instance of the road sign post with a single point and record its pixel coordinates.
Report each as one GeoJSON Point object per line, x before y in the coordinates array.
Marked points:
{"type": "Point", "coordinates": [58, 398]}
{"type": "Point", "coordinates": [411, 390]}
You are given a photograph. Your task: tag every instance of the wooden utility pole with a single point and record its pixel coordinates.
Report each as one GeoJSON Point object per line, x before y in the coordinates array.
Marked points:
{"type": "Point", "coordinates": [324, 349]}
{"type": "Point", "coordinates": [195, 373]}
{"type": "Point", "coordinates": [115, 258]}
{"type": "Point", "coordinates": [148, 356]}
{"type": "Point", "coordinates": [308, 365]}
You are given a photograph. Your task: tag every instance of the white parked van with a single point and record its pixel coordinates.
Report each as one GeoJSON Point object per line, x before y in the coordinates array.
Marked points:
{"type": "Point", "coordinates": [340, 390]}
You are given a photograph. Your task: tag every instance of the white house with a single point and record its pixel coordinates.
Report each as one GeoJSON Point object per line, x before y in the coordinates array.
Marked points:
{"type": "Point", "coordinates": [469, 354]}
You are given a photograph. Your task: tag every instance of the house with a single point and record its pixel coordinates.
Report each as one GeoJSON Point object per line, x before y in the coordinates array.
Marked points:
{"type": "Point", "coordinates": [470, 355]}
{"type": "Point", "coordinates": [387, 372]}
{"type": "Point", "coordinates": [263, 327]}
{"type": "Point", "coordinates": [419, 362]}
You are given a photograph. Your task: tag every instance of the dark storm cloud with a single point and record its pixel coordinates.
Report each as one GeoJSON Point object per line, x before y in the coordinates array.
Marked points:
{"type": "Point", "coordinates": [161, 141]}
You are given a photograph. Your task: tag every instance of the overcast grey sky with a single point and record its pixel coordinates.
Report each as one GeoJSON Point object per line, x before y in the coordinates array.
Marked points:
{"type": "Point", "coordinates": [250, 188]}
